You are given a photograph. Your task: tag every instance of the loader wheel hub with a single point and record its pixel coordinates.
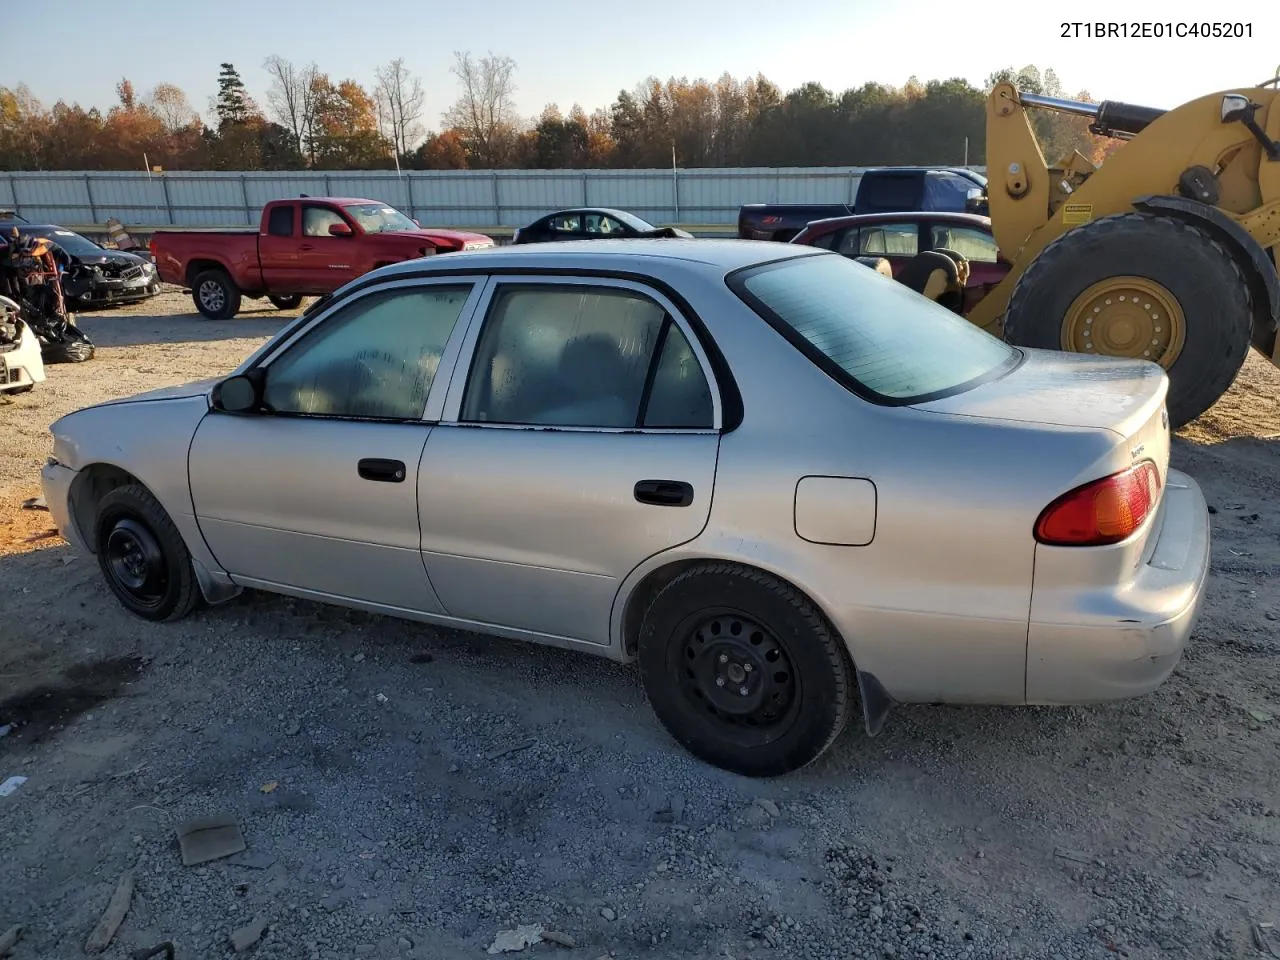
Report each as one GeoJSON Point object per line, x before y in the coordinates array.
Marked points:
{"type": "Point", "coordinates": [1131, 317]}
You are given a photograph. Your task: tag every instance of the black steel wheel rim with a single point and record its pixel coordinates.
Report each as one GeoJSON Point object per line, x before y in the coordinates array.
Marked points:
{"type": "Point", "coordinates": [733, 670]}
{"type": "Point", "coordinates": [136, 561]}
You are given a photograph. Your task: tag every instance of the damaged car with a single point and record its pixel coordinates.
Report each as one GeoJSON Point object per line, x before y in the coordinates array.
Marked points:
{"type": "Point", "coordinates": [21, 365]}
{"type": "Point", "coordinates": [96, 277]}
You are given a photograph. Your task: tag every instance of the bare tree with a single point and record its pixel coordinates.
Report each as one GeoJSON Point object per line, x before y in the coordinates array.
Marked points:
{"type": "Point", "coordinates": [400, 97]}
{"type": "Point", "coordinates": [172, 107]}
{"type": "Point", "coordinates": [486, 112]}
{"type": "Point", "coordinates": [292, 96]}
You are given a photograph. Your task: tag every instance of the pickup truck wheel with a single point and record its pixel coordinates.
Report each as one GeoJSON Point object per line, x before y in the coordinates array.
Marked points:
{"type": "Point", "coordinates": [215, 295]}
{"type": "Point", "coordinates": [286, 303]}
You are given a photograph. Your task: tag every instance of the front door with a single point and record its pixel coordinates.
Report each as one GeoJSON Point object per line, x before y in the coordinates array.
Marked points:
{"type": "Point", "coordinates": [319, 494]}
{"type": "Point", "coordinates": [278, 250]}
{"type": "Point", "coordinates": [986, 269]}
{"type": "Point", "coordinates": [580, 441]}
{"type": "Point", "coordinates": [326, 262]}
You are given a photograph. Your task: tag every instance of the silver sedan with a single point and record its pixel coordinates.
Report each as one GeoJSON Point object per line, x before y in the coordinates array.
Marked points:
{"type": "Point", "coordinates": [786, 486]}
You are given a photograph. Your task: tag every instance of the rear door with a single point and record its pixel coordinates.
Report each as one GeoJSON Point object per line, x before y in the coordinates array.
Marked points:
{"type": "Point", "coordinates": [579, 437]}
{"type": "Point", "coordinates": [278, 250]}
{"type": "Point", "coordinates": [897, 241]}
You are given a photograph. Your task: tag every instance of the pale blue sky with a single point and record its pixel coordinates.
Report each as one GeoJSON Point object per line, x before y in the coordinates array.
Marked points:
{"type": "Point", "coordinates": [584, 51]}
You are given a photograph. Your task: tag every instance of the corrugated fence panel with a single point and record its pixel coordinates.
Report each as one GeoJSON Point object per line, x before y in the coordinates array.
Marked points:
{"type": "Point", "coordinates": [446, 198]}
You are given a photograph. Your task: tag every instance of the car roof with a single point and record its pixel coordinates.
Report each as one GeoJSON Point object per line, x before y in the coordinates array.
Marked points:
{"type": "Point", "coordinates": [624, 215]}
{"type": "Point", "coordinates": [860, 219]}
{"type": "Point", "coordinates": [721, 256]}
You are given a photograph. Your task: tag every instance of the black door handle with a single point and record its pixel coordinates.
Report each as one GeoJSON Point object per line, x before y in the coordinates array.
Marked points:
{"type": "Point", "coordinates": [384, 471]}
{"type": "Point", "coordinates": [664, 493]}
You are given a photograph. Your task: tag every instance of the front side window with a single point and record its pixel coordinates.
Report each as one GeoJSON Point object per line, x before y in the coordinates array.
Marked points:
{"type": "Point", "coordinates": [874, 335]}
{"type": "Point", "coordinates": [581, 356]}
{"type": "Point", "coordinates": [969, 243]}
{"type": "Point", "coordinates": [567, 224]}
{"type": "Point", "coordinates": [316, 221]}
{"type": "Point", "coordinates": [374, 358]}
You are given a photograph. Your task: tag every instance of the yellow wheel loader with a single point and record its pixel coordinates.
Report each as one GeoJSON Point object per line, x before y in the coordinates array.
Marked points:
{"type": "Point", "coordinates": [1166, 251]}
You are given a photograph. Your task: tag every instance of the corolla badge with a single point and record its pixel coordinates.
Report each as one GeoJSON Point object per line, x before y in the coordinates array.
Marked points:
{"type": "Point", "coordinates": [1137, 451]}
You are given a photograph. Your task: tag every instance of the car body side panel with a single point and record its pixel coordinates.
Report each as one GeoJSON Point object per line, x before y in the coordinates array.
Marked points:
{"type": "Point", "coordinates": [535, 529]}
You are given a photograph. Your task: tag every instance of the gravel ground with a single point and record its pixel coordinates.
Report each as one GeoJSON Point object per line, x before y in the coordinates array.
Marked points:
{"type": "Point", "coordinates": [409, 792]}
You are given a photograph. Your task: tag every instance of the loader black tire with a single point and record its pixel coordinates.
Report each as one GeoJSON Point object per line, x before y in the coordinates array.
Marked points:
{"type": "Point", "coordinates": [215, 294]}
{"type": "Point", "coordinates": [1199, 272]}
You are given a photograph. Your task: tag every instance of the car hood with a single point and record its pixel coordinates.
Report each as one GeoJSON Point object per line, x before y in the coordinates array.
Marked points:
{"type": "Point", "coordinates": [197, 388]}
{"type": "Point", "coordinates": [109, 256]}
{"type": "Point", "coordinates": [443, 237]}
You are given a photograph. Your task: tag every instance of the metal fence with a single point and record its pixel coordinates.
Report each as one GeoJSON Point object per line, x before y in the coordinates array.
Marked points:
{"type": "Point", "coordinates": [479, 199]}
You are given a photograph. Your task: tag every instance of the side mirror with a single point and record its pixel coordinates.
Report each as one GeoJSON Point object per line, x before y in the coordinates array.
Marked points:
{"type": "Point", "coordinates": [1235, 107]}
{"type": "Point", "coordinates": [340, 230]}
{"type": "Point", "coordinates": [241, 393]}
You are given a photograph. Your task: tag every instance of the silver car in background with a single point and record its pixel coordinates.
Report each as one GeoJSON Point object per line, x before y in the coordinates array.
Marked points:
{"type": "Point", "coordinates": [783, 484]}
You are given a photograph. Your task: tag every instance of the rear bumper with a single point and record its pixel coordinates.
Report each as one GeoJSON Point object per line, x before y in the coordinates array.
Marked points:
{"type": "Point", "coordinates": [56, 480]}
{"type": "Point", "coordinates": [1096, 645]}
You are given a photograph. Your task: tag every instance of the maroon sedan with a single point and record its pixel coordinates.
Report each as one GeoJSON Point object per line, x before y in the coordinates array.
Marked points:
{"type": "Point", "coordinates": [900, 236]}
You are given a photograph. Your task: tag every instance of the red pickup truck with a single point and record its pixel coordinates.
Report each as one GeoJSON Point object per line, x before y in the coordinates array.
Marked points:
{"type": "Point", "coordinates": [304, 247]}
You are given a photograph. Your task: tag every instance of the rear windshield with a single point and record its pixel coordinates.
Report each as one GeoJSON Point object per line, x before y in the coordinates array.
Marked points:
{"type": "Point", "coordinates": [878, 337]}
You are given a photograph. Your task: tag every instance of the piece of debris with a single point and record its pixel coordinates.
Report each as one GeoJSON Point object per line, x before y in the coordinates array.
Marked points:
{"type": "Point", "coordinates": [513, 941]}
{"type": "Point", "coordinates": [1260, 715]}
{"type": "Point", "coordinates": [35, 503]}
{"type": "Point", "coordinates": [11, 784]}
{"type": "Point", "coordinates": [358, 658]}
{"type": "Point", "coordinates": [148, 952]}
{"type": "Point", "coordinates": [113, 916]}
{"type": "Point", "coordinates": [246, 937]}
{"type": "Point", "coordinates": [254, 861]}
{"type": "Point", "coordinates": [768, 806]}
{"type": "Point", "coordinates": [563, 939]}
{"type": "Point", "coordinates": [294, 728]}
{"type": "Point", "coordinates": [1075, 855]}
{"type": "Point", "coordinates": [381, 698]}
{"type": "Point", "coordinates": [1262, 939]}
{"type": "Point", "coordinates": [269, 786]}
{"type": "Point", "coordinates": [9, 939]}
{"type": "Point", "coordinates": [518, 745]}
{"type": "Point", "coordinates": [213, 837]}
{"type": "Point", "coordinates": [4, 730]}
{"type": "Point", "coordinates": [608, 914]}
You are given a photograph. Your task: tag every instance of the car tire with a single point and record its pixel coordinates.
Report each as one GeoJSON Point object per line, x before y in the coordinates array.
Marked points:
{"type": "Point", "coordinates": [25, 388]}
{"type": "Point", "coordinates": [718, 629]}
{"type": "Point", "coordinates": [215, 295]}
{"type": "Point", "coordinates": [286, 303]}
{"type": "Point", "coordinates": [143, 557]}
{"type": "Point", "coordinates": [1198, 277]}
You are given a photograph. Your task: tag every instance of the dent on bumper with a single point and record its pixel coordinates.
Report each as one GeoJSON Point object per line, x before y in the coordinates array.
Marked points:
{"type": "Point", "coordinates": [1126, 641]}
{"type": "Point", "coordinates": [56, 479]}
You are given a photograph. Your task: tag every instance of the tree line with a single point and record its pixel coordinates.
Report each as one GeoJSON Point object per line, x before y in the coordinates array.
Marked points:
{"type": "Point", "coordinates": [311, 121]}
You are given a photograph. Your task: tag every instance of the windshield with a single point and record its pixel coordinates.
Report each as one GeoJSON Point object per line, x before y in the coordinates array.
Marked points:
{"type": "Point", "coordinates": [379, 218]}
{"type": "Point", "coordinates": [73, 243]}
{"type": "Point", "coordinates": [877, 336]}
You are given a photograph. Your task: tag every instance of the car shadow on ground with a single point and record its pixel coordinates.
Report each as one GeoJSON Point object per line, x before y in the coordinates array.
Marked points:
{"type": "Point", "coordinates": [132, 330]}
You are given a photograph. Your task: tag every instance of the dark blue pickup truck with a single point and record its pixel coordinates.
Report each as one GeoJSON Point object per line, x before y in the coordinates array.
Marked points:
{"type": "Point", "coordinates": [880, 190]}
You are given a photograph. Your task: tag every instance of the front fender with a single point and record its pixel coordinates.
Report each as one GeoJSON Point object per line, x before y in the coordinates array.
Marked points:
{"type": "Point", "coordinates": [148, 439]}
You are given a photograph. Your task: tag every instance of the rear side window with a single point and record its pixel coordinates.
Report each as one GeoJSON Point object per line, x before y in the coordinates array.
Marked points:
{"type": "Point", "coordinates": [876, 336]}
{"type": "Point", "coordinates": [280, 222]}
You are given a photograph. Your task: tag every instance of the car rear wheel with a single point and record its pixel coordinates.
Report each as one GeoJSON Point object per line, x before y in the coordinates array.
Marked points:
{"type": "Point", "coordinates": [215, 294]}
{"type": "Point", "coordinates": [143, 557]}
{"type": "Point", "coordinates": [286, 303]}
{"type": "Point", "coordinates": [744, 671]}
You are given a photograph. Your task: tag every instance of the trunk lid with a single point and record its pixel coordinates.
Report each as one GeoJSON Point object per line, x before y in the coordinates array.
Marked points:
{"type": "Point", "coordinates": [1124, 397]}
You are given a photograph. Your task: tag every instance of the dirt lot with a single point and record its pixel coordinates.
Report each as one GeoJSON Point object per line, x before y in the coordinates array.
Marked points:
{"type": "Point", "coordinates": [405, 792]}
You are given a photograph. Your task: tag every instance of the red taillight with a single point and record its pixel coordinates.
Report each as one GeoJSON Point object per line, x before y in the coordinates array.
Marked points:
{"type": "Point", "coordinates": [1105, 511]}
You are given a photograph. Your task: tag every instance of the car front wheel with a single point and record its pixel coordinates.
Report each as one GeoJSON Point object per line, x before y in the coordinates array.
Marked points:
{"type": "Point", "coordinates": [744, 671]}
{"type": "Point", "coordinates": [143, 557]}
